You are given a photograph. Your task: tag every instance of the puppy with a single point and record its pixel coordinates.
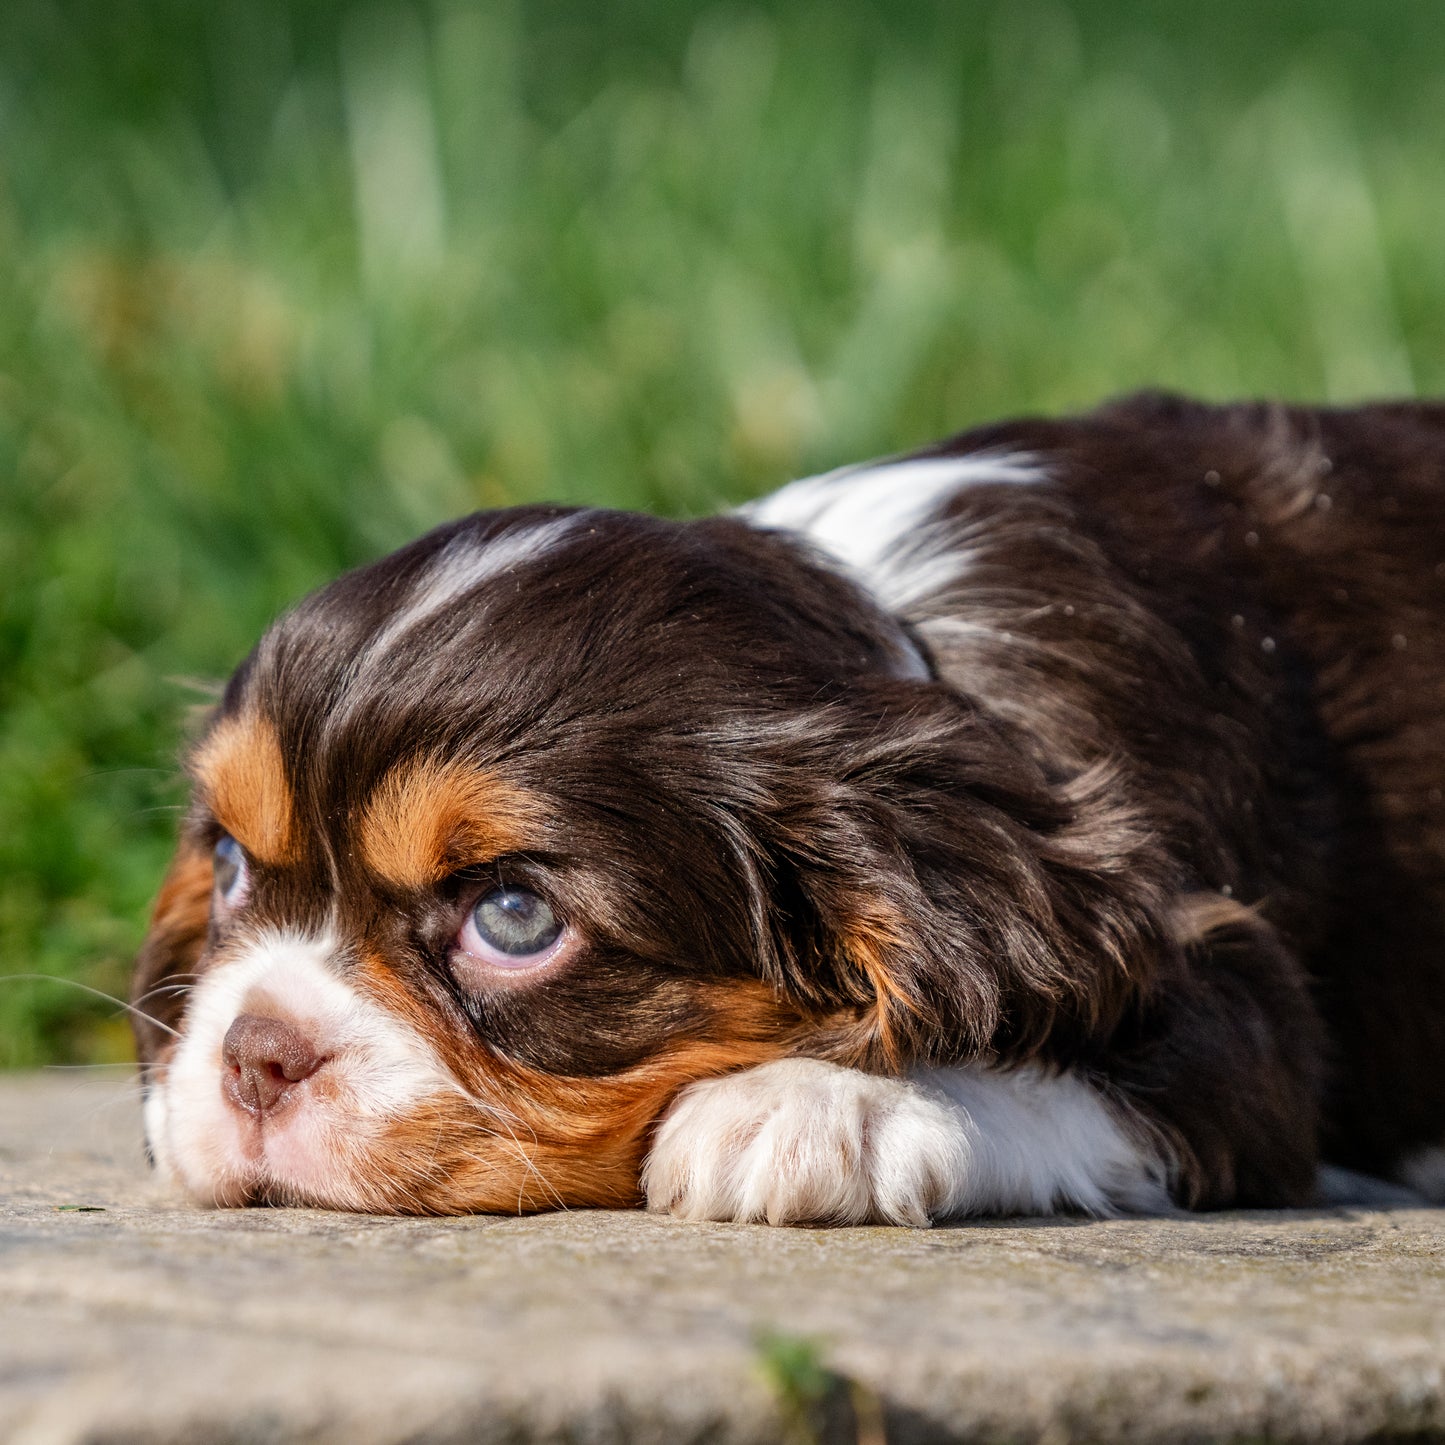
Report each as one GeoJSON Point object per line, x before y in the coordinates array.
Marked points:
{"type": "Point", "coordinates": [1050, 820]}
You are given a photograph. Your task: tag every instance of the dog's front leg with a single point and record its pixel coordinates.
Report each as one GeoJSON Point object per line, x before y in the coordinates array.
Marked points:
{"type": "Point", "coordinates": [802, 1141]}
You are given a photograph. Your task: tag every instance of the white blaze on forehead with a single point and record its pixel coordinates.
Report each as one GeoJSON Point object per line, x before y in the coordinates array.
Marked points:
{"type": "Point", "coordinates": [377, 1069]}
{"type": "Point", "coordinates": [463, 565]}
{"type": "Point", "coordinates": [877, 520]}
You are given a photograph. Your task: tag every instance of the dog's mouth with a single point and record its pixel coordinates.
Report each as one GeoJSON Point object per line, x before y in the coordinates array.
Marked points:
{"type": "Point", "coordinates": [228, 1157]}
{"type": "Point", "coordinates": [288, 1085]}
{"type": "Point", "coordinates": [316, 1153]}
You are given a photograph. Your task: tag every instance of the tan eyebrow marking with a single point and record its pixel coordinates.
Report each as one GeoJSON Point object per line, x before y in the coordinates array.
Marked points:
{"type": "Point", "coordinates": [427, 818]}
{"type": "Point", "coordinates": [242, 777]}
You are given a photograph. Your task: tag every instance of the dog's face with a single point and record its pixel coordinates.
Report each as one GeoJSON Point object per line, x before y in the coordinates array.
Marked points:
{"type": "Point", "coordinates": [498, 843]}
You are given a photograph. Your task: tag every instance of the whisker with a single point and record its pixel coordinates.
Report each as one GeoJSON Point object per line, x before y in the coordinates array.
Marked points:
{"type": "Point", "coordinates": [166, 988]}
{"type": "Point", "coordinates": [75, 1068]}
{"type": "Point", "coordinates": [530, 1165]}
{"type": "Point", "coordinates": [505, 1118]}
{"type": "Point", "coordinates": [129, 771]}
{"type": "Point", "coordinates": [86, 988]}
{"type": "Point", "coordinates": [506, 1137]}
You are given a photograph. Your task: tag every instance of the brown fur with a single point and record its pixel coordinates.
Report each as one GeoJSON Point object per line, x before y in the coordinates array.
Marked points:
{"type": "Point", "coordinates": [1167, 810]}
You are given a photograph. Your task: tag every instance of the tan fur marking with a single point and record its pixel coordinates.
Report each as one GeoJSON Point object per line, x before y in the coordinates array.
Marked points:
{"type": "Point", "coordinates": [173, 946]}
{"type": "Point", "coordinates": [242, 777]}
{"type": "Point", "coordinates": [875, 1032]}
{"type": "Point", "coordinates": [869, 945]}
{"type": "Point", "coordinates": [183, 906]}
{"type": "Point", "coordinates": [428, 818]}
{"type": "Point", "coordinates": [1196, 915]}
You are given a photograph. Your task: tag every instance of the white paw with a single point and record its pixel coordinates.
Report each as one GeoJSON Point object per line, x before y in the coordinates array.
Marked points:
{"type": "Point", "coordinates": [802, 1141]}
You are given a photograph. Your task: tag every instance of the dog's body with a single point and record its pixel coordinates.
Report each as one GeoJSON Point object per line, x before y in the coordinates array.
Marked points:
{"type": "Point", "coordinates": [1055, 819]}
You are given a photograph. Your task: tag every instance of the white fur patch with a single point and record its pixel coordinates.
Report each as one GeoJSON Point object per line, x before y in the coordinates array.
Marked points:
{"type": "Point", "coordinates": [464, 564]}
{"type": "Point", "coordinates": [875, 520]}
{"type": "Point", "coordinates": [1042, 1142]}
{"type": "Point", "coordinates": [376, 1070]}
{"type": "Point", "coordinates": [155, 1120]}
{"type": "Point", "coordinates": [805, 1141]}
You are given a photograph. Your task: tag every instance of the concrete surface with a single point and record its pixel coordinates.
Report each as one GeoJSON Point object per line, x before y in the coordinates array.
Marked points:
{"type": "Point", "coordinates": [139, 1319]}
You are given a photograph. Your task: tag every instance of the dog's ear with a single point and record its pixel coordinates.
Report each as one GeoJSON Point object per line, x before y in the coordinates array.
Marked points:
{"type": "Point", "coordinates": [944, 898]}
{"type": "Point", "coordinates": [165, 967]}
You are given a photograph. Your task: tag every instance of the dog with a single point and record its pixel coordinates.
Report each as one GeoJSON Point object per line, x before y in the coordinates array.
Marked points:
{"type": "Point", "coordinates": [1050, 820]}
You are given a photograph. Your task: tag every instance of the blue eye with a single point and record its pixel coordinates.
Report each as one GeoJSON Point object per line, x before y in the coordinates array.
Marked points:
{"type": "Point", "coordinates": [232, 872]}
{"type": "Point", "coordinates": [510, 926]}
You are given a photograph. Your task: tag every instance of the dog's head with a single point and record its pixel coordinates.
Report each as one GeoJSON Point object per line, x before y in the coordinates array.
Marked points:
{"type": "Point", "coordinates": [497, 844]}
{"type": "Point", "coordinates": [484, 862]}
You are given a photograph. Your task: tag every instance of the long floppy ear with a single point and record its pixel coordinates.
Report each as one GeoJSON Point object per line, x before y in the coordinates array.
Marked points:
{"type": "Point", "coordinates": [166, 964]}
{"type": "Point", "coordinates": [947, 899]}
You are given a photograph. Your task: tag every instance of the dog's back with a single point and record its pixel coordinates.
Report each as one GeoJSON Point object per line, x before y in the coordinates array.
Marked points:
{"type": "Point", "coordinates": [1242, 607]}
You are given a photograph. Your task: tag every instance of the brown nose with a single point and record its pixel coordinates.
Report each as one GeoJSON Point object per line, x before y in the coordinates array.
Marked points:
{"type": "Point", "coordinates": [265, 1059]}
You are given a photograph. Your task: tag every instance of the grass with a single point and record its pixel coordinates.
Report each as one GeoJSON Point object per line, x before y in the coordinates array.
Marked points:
{"type": "Point", "coordinates": [286, 283]}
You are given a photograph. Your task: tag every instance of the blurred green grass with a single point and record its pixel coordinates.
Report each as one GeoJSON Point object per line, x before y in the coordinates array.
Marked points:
{"type": "Point", "coordinates": [285, 283]}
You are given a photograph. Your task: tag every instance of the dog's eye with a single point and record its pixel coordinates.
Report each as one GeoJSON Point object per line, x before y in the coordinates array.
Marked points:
{"type": "Point", "coordinates": [233, 874]}
{"type": "Point", "coordinates": [511, 927]}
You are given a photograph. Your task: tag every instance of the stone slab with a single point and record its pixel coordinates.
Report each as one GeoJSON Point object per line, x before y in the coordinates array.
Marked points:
{"type": "Point", "coordinates": [140, 1319]}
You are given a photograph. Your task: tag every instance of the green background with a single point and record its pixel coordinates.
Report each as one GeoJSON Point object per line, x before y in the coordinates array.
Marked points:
{"type": "Point", "coordinates": [282, 284]}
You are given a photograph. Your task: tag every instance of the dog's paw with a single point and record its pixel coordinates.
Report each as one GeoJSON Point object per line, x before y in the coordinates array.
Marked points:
{"type": "Point", "coordinates": [802, 1141]}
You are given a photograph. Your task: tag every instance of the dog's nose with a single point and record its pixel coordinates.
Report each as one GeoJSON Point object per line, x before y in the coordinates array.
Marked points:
{"type": "Point", "coordinates": [265, 1058]}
